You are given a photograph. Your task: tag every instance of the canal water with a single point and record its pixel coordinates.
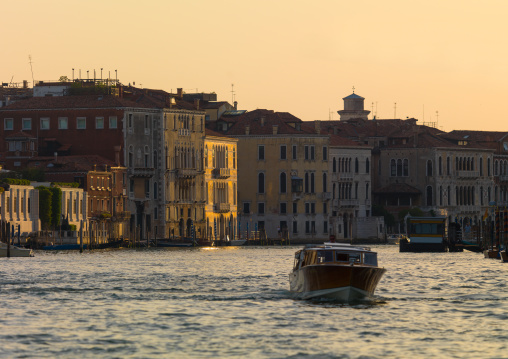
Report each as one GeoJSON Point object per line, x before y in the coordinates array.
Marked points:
{"type": "Point", "coordinates": [234, 303]}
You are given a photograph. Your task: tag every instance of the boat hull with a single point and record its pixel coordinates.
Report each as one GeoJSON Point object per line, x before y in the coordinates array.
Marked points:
{"type": "Point", "coordinates": [16, 252]}
{"type": "Point", "coordinates": [422, 247]}
{"type": "Point", "coordinates": [341, 282]}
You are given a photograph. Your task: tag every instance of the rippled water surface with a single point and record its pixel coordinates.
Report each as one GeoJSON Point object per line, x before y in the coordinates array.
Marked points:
{"type": "Point", "coordinates": [234, 303]}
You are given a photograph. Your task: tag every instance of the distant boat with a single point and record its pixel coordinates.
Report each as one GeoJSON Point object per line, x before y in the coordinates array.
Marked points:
{"type": "Point", "coordinates": [336, 271]}
{"type": "Point", "coordinates": [15, 251]}
{"type": "Point", "coordinates": [63, 247]}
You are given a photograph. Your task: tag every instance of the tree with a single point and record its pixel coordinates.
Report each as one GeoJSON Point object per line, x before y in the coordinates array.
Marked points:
{"type": "Point", "coordinates": [45, 207]}
{"type": "Point", "coordinates": [378, 210]}
{"type": "Point", "coordinates": [56, 206]}
{"type": "Point", "coordinates": [64, 79]}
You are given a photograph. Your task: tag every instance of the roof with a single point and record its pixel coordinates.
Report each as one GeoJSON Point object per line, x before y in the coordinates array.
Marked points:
{"type": "Point", "coordinates": [20, 135]}
{"type": "Point", "coordinates": [82, 163]}
{"type": "Point", "coordinates": [353, 96]}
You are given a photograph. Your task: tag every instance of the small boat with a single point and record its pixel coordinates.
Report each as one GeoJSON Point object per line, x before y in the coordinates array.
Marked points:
{"type": "Point", "coordinates": [237, 242]}
{"type": "Point", "coordinates": [335, 270]}
{"type": "Point", "coordinates": [15, 251]}
{"type": "Point", "coordinates": [63, 247]}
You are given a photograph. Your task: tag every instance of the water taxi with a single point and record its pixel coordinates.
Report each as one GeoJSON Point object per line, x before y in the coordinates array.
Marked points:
{"type": "Point", "coordinates": [336, 271]}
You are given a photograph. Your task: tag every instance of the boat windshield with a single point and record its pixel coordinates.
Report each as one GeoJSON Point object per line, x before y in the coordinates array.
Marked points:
{"type": "Point", "coordinates": [370, 259]}
{"type": "Point", "coordinates": [324, 256]}
{"type": "Point", "coordinates": [347, 257]}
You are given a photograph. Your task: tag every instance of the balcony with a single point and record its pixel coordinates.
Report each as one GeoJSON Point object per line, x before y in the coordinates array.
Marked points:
{"type": "Point", "coordinates": [121, 216]}
{"type": "Point", "coordinates": [342, 176]}
{"type": "Point", "coordinates": [140, 172]}
{"type": "Point", "coordinates": [345, 203]}
{"type": "Point", "coordinates": [221, 207]}
{"type": "Point", "coordinates": [325, 196]}
{"type": "Point", "coordinates": [221, 172]}
{"type": "Point", "coordinates": [297, 196]}
{"type": "Point", "coordinates": [503, 178]}
{"type": "Point", "coordinates": [186, 172]}
{"type": "Point", "coordinates": [183, 132]}
{"type": "Point", "coordinates": [468, 174]}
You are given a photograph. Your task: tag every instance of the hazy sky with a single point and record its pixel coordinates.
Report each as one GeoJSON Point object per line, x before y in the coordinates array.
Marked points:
{"type": "Point", "coordinates": [295, 56]}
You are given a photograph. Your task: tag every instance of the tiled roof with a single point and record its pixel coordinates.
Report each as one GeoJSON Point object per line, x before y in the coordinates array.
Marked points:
{"type": "Point", "coordinates": [209, 132]}
{"type": "Point", "coordinates": [480, 136]}
{"type": "Point", "coordinates": [340, 141]}
{"type": "Point", "coordinates": [261, 122]}
{"type": "Point", "coordinates": [20, 134]}
{"type": "Point", "coordinates": [70, 163]}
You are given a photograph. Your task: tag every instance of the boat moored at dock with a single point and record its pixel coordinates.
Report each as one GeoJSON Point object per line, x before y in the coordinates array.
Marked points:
{"type": "Point", "coordinates": [425, 234]}
{"type": "Point", "coordinates": [336, 271]}
{"type": "Point", "coordinates": [14, 251]}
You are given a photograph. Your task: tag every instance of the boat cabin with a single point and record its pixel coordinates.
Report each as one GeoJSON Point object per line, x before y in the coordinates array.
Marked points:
{"type": "Point", "coordinates": [334, 255]}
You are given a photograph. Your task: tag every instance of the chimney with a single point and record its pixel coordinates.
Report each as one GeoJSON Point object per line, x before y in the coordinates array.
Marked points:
{"type": "Point", "coordinates": [196, 103]}
{"type": "Point", "coordinates": [236, 105]}
{"type": "Point", "coordinates": [179, 92]}
{"type": "Point", "coordinates": [56, 156]}
{"type": "Point", "coordinates": [25, 84]}
{"type": "Point", "coordinates": [117, 154]}
{"type": "Point", "coordinates": [317, 126]}
{"type": "Point", "coordinates": [247, 130]}
{"type": "Point", "coordinates": [274, 129]}
{"type": "Point", "coordinates": [262, 121]}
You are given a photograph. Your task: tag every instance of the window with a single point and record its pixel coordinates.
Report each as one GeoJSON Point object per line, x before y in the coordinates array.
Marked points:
{"type": "Point", "coordinates": [429, 196]}
{"type": "Point", "coordinates": [155, 190]}
{"type": "Point", "coordinates": [44, 123]}
{"type": "Point", "coordinates": [295, 207]}
{"type": "Point", "coordinates": [27, 124]}
{"type": "Point", "coordinates": [312, 188]}
{"type": "Point", "coordinates": [147, 188]}
{"type": "Point", "coordinates": [325, 153]}
{"type": "Point", "coordinates": [283, 208]}
{"type": "Point", "coordinates": [129, 121]}
{"type": "Point", "coordinates": [99, 123]}
{"type": "Point", "coordinates": [261, 208]}
{"type": "Point", "coordinates": [448, 165]}
{"type": "Point", "coordinates": [325, 227]}
{"type": "Point", "coordinates": [306, 148]}
{"type": "Point", "coordinates": [367, 166]}
{"type": "Point", "coordinates": [261, 183]}
{"type": "Point", "coordinates": [325, 187]}
{"type": "Point", "coordinates": [481, 166]}
{"type": "Point", "coordinates": [63, 123]}
{"type": "Point", "coordinates": [406, 168]}
{"type": "Point", "coordinates": [312, 156]}
{"type": "Point", "coordinates": [283, 152]}
{"type": "Point", "coordinates": [8, 124]}
{"type": "Point", "coordinates": [81, 123]}
{"type": "Point", "coordinates": [246, 207]}
{"type": "Point", "coordinates": [295, 227]}
{"type": "Point", "coordinates": [261, 152]}
{"type": "Point", "coordinates": [429, 168]}
{"type": "Point", "coordinates": [393, 168]}
{"type": "Point", "coordinates": [294, 153]}
{"type": "Point", "coordinates": [356, 165]}
{"type": "Point", "coordinates": [283, 183]}
{"type": "Point", "coordinates": [113, 122]}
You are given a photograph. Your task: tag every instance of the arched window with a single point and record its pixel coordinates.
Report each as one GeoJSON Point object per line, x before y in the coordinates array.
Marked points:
{"type": "Point", "coordinates": [367, 166]}
{"type": "Point", "coordinates": [440, 166]}
{"type": "Point", "coordinates": [261, 182]}
{"type": "Point", "coordinates": [306, 182]}
{"type": "Point", "coordinates": [367, 191]}
{"type": "Point", "coordinates": [356, 165]}
{"type": "Point", "coordinates": [406, 167]}
{"type": "Point", "coordinates": [488, 168]}
{"type": "Point", "coordinates": [448, 166]}
{"type": "Point", "coordinates": [334, 165]}
{"type": "Point", "coordinates": [449, 194]}
{"type": "Point", "coordinates": [399, 167]}
{"type": "Point", "coordinates": [481, 166]}
{"type": "Point", "coordinates": [429, 196]}
{"type": "Point", "coordinates": [440, 194]}
{"type": "Point", "coordinates": [155, 159]}
{"type": "Point", "coordinates": [393, 168]}
{"type": "Point", "coordinates": [206, 156]}
{"type": "Point", "coordinates": [312, 188]}
{"type": "Point", "coordinates": [283, 183]}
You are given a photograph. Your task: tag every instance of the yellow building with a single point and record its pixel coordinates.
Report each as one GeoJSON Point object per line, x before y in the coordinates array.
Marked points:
{"type": "Point", "coordinates": [284, 186]}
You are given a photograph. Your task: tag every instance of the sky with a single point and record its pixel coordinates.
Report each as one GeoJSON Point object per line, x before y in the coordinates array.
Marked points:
{"type": "Point", "coordinates": [438, 61]}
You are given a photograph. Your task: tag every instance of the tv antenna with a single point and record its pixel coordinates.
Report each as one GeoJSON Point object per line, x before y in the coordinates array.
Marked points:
{"type": "Point", "coordinates": [31, 69]}
{"type": "Point", "coordinates": [394, 110]}
{"type": "Point", "coordinates": [232, 93]}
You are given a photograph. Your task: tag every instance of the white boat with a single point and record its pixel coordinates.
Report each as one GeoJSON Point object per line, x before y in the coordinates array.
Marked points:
{"type": "Point", "coordinates": [15, 251]}
{"type": "Point", "coordinates": [337, 271]}
{"type": "Point", "coordinates": [237, 242]}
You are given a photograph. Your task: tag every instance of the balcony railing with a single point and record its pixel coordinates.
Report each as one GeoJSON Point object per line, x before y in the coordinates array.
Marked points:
{"type": "Point", "coordinates": [325, 196]}
{"type": "Point", "coordinates": [183, 132]}
{"type": "Point", "coordinates": [221, 207]}
{"type": "Point", "coordinates": [186, 172]}
{"type": "Point", "coordinates": [345, 203]}
{"type": "Point", "coordinates": [141, 172]}
{"type": "Point", "coordinates": [221, 172]}
{"type": "Point", "coordinates": [468, 174]}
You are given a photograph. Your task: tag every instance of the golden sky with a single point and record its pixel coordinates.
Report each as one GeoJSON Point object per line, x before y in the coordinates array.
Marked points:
{"type": "Point", "coordinates": [301, 57]}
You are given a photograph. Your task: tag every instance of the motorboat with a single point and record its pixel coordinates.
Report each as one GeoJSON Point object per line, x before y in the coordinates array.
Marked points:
{"type": "Point", "coordinates": [335, 270]}
{"type": "Point", "coordinates": [15, 251]}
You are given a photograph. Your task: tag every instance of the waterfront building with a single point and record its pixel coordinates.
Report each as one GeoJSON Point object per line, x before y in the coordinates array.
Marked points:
{"type": "Point", "coordinates": [19, 205]}
{"type": "Point", "coordinates": [283, 179]}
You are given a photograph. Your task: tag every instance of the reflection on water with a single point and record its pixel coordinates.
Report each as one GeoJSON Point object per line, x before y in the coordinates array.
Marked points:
{"type": "Point", "coordinates": [234, 302]}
